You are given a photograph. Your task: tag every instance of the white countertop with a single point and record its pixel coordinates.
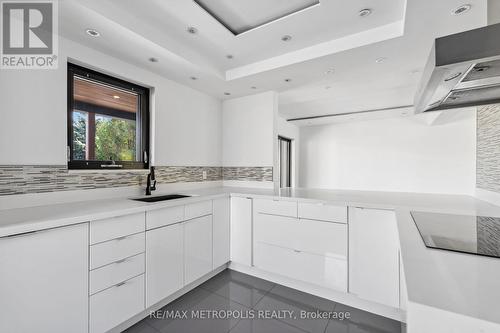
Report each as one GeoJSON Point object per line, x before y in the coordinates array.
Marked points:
{"type": "Point", "coordinates": [460, 283]}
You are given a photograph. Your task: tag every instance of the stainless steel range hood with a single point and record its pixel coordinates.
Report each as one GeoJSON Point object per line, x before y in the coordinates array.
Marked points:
{"type": "Point", "coordinates": [463, 70]}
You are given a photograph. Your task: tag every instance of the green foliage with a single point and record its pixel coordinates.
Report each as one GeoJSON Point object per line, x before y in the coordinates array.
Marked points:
{"type": "Point", "coordinates": [115, 139]}
{"type": "Point", "coordinates": [79, 135]}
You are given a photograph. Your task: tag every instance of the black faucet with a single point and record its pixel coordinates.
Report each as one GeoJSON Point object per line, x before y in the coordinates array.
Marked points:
{"type": "Point", "coordinates": [151, 178]}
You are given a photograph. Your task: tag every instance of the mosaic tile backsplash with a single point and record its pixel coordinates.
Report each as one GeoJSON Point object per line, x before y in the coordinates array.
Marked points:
{"type": "Point", "coordinates": [488, 148]}
{"type": "Point", "coordinates": [50, 178]}
{"type": "Point", "coordinates": [261, 174]}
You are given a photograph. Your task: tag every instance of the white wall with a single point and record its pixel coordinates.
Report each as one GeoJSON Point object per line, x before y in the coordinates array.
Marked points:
{"type": "Point", "coordinates": [248, 130]}
{"type": "Point", "coordinates": [186, 123]}
{"type": "Point", "coordinates": [398, 154]}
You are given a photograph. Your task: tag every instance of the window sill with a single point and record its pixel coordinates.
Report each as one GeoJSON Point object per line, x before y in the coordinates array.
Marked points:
{"type": "Point", "coordinates": [87, 171]}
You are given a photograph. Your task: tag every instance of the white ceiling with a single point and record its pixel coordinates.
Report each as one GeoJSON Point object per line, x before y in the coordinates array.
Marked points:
{"type": "Point", "coordinates": [330, 35]}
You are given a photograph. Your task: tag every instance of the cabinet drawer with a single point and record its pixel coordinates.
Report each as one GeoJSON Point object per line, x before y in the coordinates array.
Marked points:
{"type": "Point", "coordinates": [116, 227]}
{"type": "Point", "coordinates": [320, 270]}
{"type": "Point", "coordinates": [276, 207]}
{"type": "Point", "coordinates": [198, 209]}
{"type": "Point", "coordinates": [117, 249]}
{"type": "Point", "coordinates": [317, 237]}
{"type": "Point", "coordinates": [328, 239]}
{"type": "Point", "coordinates": [115, 305]}
{"type": "Point", "coordinates": [323, 211]}
{"type": "Point", "coordinates": [162, 217]}
{"type": "Point", "coordinates": [110, 275]}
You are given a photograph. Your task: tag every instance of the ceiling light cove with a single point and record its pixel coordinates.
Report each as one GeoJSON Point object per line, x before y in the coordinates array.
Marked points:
{"type": "Point", "coordinates": [242, 16]}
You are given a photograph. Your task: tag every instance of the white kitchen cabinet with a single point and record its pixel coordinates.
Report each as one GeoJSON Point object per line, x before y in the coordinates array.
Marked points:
{"type": "Point", "coordinates": [165, 216]}
{"type": "Point", "coordinates": [374, 255]}
{"type": "Point", "coordinates": [318, 237]}
{"type": "Point", "coordinates": [112, 274]}
{"type": "Point", "coordinates": [221, 231]}
{"type": "Point", "coordinates": [308, 250]}
{"type": "Point", "coordinates": [164, 262]}
{"type": "Point", "coordinates": [116, 227]}
{"type": "Point", "coordinates": [276, 207]}
{"type": "Point", "coordinates": [322, 211]}
{"type": "Point", "coordinates": [241, 230]}
{"type": "Point", "coordinates": [44, 281]}
{"type": "Point", "coordinates": [329, 272]}
{"type": "Point", "coordinates": [116, 249]}
{"type": "Point", "coordinates": [198, 209]}
{"type": "Point", "coordinates": [113, 306]}
{"type": "Point", "coordinates": [197, 248]}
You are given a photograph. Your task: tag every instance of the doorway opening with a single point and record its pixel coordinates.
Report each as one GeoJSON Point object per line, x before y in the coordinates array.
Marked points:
{"type": "Point", "coordinates": [285, 161]}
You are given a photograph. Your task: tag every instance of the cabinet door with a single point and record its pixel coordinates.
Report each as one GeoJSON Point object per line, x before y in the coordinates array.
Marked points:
{"type": "Point", "coordinates": [374, 255]}
{"type": "Point", "coordinates": [42, 275]}
{"type": "Point", "coordinates": [241, 230]}
{"type": "Point", "coordinates": [221, 232]}
{"type": "Point", "coordinates": [164, 262]}
{"type": "Point", "coordinates": [198, 248]}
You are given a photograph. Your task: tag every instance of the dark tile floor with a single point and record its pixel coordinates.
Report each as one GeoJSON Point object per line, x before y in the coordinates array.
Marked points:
{"type": "Point", "coordinates": [239, 303]}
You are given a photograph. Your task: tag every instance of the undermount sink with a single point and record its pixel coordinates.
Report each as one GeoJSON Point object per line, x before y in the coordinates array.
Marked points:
{"type": "Point", "coordinates": [162, 198]}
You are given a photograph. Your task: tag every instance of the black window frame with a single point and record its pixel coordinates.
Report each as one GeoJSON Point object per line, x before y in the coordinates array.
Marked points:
{"type": "Point", "coordinates": [142, 120]}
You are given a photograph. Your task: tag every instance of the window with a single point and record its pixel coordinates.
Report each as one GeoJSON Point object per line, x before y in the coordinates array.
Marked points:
{"type": "Point", "coordinates": [108, 122]}
{"type": "Point", "coordinates": [285, 161]}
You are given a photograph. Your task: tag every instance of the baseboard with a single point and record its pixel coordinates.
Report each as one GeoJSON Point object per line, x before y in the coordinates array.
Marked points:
{"type": "Point", "coordinates": [335, 296]}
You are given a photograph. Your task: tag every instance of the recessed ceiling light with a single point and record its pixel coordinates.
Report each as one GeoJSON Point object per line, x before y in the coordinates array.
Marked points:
{"type": "Point", "coordinates": [415, 71]}
{"type": "Point", "coordinates": [93, 32]}
{"type": "Point", "coordinates": [116, 97]}
{"type": "Point", "coordinates": [227, 94]}
{"type": "Point", "coordinates": [230, 56]}
{"type": "Point", "coordinates": [192, 30]}
{"type": "Point", "coordinates": [330, 71]}
{"type": "Point", "coordinates": [327, 87]}
{"type": "Point", "coordinates": [365, 12]}
{"type": "Point", "coordinates": [253, 87]}
{"type": "Point", "coordinates": [288, 80]}
{"type": "Point", "coordinates": [380, 60]}
{"type": "Point", "coordinates": [461, 9]}
{"type": "Point", "coordinates": [194, 78]}
{"type": "Point", "coordinates": [152, 59]}
{"type": "Point", "coordinates": [286, 38]}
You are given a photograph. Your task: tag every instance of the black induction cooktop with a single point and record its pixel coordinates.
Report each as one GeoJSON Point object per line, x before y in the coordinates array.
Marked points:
{"type": "Point", "coordinates": [460, 233]}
